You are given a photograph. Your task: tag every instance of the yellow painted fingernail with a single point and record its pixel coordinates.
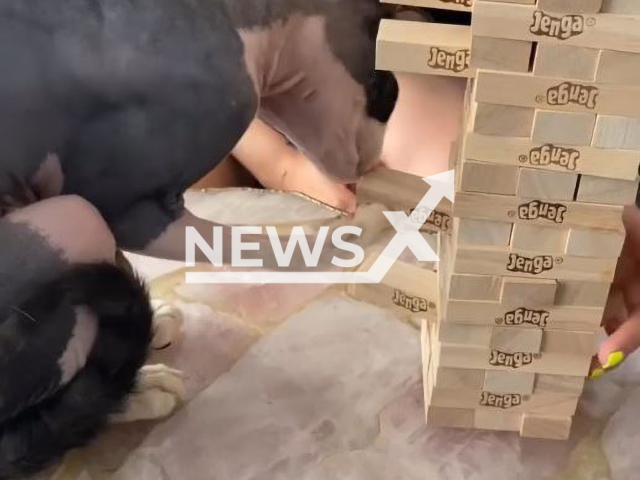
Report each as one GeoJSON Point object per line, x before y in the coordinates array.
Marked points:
{"type": "Point", "coordinates": [597, 373]}
{"type": "Point", "coordinates": [614, 360]}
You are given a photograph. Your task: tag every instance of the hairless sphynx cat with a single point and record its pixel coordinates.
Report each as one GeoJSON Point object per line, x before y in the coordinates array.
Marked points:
{"type": "Point", "coordinates": [109, 111]}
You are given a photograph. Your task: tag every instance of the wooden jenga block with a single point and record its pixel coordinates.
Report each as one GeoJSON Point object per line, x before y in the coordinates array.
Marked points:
{"type": "Point", "coordinates": [566, 61]}
{"type": "Point", "coordinates": [619, 164]}
{"type": "Point", "coordinates": [456, 5]}
{"type": "Point", "coordinates": [504, 208]}
{"type": "Point", "coordinates": [621, 133]}
{"type": "Point", "coordinates": [546, 185]}
{"type": "Point", "coordinates": [570, 6]}
{"type": "Point", "coordinates": [556, 94]}
{"type": "Point", "coordinates": [503, 120]}
{"type": "Point", "coordinates": [459, 378]}
{"type": "Point", "coordinates": [475, 287]}
{"type": "Point", "coordinates": [482, 232]}
{"type": "Point", "coordinates": [553, 363]}
{"type": "Point", "coordinates": [422, 47]}
{"type": "Point", "coordinates": [621, 6]}
{"type": "Point", "coordinates": [512, 340]}
{"type": "Point", "coordinates": [619, 67]}
{"type": "Point", "coordinates": [519, 22]}
{"type": "Point", "coordinates": [493, 313]}
{"type": "Point", "coordinates": [450, 417]}
{"type": "Point", "coordinates": [401, 191]}
{"type": "Point", "coordinates": [607, 191]}
{"type": "Point", "coordinates": [551, 428]}
{"type": "Point", "coordinates": [569, 343]}
{"type": "Point", "coordinates": [496, 261]}
{"type": "Point", "coordinates": [539, 239]}
{"type": "Point", "coordinates": [565, 128]}
{"type": "Point", "coordinates": [594, 243]}
{"type": "Point", "coordinates": [509, 382]}
{"type": "Point", "coordinates": [543, 403]}
{"type": "Point", "coordinates": [501, 54]}
{"type": "Point", "coordinates": [489, 178]}
{"type": "Point", "coordinates": [410, 290]}
{"type": "Point", "coordinates": [573, 293]}
{"type": "Point", "coordinates": [527, 291]}
{"type": "Point", "coordinates": [472, 335]}
{"type": "Point", "coordinates": [497, 420]}
{"type": "Point", "coordinates": [559, 384]}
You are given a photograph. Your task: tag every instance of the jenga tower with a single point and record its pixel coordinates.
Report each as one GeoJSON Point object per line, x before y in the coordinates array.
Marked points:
{"type": "Point", "coordinates": [549, 155]}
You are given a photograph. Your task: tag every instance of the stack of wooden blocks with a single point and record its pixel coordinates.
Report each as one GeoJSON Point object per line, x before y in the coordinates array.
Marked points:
{"type": "Point", "coordinates": [549, 156]}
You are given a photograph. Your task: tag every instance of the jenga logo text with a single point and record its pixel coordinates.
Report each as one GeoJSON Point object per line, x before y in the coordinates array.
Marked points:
{"type": "Point", "coordinates": [522, 316]}
{"type": "Point", "coordinates": [562, 28]}
{"type": "Point", "coordinates": [536, 209]}
{"type": "Point", "coordinates": [413, 304]}
{"type": "Point", "coordinates": [500, 401]}
{"type": "Point", "coordinates": [457, 61]}
{"type": "Point", "coordinates": [573, 93]}
{"type": "Point", "coordinates": [512, 360]}
{"type": "Point", "coordinates": [532, 266]}
{"type": "Point", "coordinates": [440, 220]}
{"type": "Point", "coordinates": [551, 155]}
{"type": "Point", "coordinates": [464, 3]}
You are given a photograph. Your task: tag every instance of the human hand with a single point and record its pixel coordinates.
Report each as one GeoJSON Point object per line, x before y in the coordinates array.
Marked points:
{"type": "Point", "coordinates": [622, 314]}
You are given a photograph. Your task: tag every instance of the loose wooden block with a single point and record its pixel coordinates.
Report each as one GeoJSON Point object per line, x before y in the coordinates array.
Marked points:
{"type": "Point", "coordinates": [423, 47]}
{"type": "Point", "coordinates": [565, 128]}
{"type": "Point", "coordinates": [504, 208]}
{"type": "Point", "coordinates": [475, 287]}
{"type": "Point", "coordinates": [594, 243]}
{"type": "Point", "coordinates": [562, 318]}
{"type": "Point", "coordinates": [619, 164]}
{"type": "Point", "coordinates": [617, 132]}
{"type": "Point", "coordinates": [497, 420]}
{"type": "Point", "coordinates": [566, 61]}
{"type": "Point", "coordinates": [607, 191]}
{"type": "Point", "coordinates": [546, 185]}
{"type": "Point", "coordinates": [621, 6]}
{"type": "Point", "coordinates": [582, 293]}
{"type": "Point", "coordinates": [519, 22]}
{"type": "Point", "coordinates": [550, 428]}
{"type": "Point", "coordinates": [457, 5]}
{"type": "Point", "coordinates": [570, 343]}
{"type": "Point", "coordinates": [489, 178]}
{"type": "Point", "coordinates": [472, 335]}
{"type": "Point", "coordinates": [450, 417]}
{"type": "Point", "coordinates": [509, 382]}
{"type": "Point", "coordinates": [497, 261]}
{"type": "Point", "coordinates": [559, 384]}
{"type": "Point", "coordinates": [401, 191]}
{"type": "Point", "coordinates": [482, 232]}
{"type": "Point", "coordinates": [501, 54]}
{"type": "Point", "coordinates": [526, 291]}
{"type": "Point", "coordinates": [459, 378]}
{"type": "Point", "coordinates": [513, 340]}
{"type": "Point", "coordinates": [503, 120]}
{"type": "Point", "coordinates": [570, 6]}
{"type": "Point", "coordinates": [619, 67]}
{"type": "Point", "coordinates": [539, 239]}
{"type": "Point", "coordinates": [523, 90]}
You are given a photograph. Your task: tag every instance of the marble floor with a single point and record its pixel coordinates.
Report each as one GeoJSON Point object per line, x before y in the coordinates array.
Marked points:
{"type": "Point", "coordinates": [300, 382]}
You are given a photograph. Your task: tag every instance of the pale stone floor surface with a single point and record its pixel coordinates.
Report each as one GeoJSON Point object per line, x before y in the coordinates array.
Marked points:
{"type": "Point", "coordinates": [290, 382]}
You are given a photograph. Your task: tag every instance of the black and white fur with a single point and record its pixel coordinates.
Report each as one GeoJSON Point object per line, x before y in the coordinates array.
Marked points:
{"type": "Point", "coordinates": [125, 104]}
